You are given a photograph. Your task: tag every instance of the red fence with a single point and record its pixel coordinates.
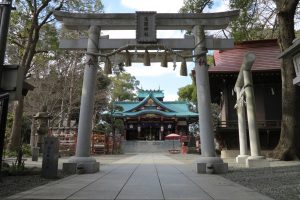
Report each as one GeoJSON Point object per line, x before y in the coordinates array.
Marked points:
{"type": "Point", "coordinates": [100, 143]}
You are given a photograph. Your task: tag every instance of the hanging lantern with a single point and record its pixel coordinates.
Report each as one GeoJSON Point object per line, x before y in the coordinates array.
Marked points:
{"type": "Point", "coordinates": [183, 68]}
{"type": "Point", "coordinates": [107, 67]}
{"type": "Point", "coordinates": [162, 128]}
{"type": "Point", "coordinates": [146, 58]}
{"type": "Point", "coordinates": [164, 61]}
{"type": "Point", "coordinates": [127, 59]}
{"type": "Point", "coordinates": [139, 128]}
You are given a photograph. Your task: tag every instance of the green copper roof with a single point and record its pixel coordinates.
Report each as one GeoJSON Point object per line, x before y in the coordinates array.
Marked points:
{"type": "Point", "coordinates": [156, 93]}
{"type": "Point", "coordinates": [151, 105]}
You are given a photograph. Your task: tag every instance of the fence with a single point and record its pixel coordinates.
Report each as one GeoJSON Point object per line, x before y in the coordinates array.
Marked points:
{"type": "Point", "coordinates": [100, 143]}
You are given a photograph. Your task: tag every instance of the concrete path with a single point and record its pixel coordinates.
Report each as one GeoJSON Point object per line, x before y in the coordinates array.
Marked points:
{"type": "Point", "coordinates": [144, 176]}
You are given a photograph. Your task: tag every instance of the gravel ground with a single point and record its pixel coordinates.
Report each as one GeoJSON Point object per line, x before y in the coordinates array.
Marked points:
{"type": "Point", "coordinates": [14, 184]}
{"type": "Point", "coordinates": [280, 181]}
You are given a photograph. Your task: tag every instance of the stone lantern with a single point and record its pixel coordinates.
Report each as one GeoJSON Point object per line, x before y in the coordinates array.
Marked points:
{"type": "Point", "coordinates": [294, 52]}
{"type": "Point", "coordinates": [42, 119]}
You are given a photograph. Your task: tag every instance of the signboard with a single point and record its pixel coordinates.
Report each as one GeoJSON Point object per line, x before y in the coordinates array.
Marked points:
{"type": "Point", "coordinates": [146, 27]}
{"type": "Point", "coordinates": [12, 81]}
{"type": "Point", "coordinates": [50, 157]}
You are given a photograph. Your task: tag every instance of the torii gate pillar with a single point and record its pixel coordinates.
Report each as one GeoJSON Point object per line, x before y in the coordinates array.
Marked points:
{"type": "Point", "coordinates": [208, 162]}
{"type": "Point", "coordinates": [155, 21]}
{"type": "Point", "coordinates": [82, 156]}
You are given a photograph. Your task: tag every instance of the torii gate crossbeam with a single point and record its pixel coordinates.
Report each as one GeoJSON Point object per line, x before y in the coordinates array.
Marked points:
{"type": "Point", "coordinates": [146, 24]}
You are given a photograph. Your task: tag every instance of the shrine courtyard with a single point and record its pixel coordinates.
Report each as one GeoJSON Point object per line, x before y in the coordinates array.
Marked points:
{"type": "Point", "coordinates": [154, 176]}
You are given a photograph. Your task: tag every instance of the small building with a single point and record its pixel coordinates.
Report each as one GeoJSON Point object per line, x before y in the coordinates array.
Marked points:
{"type": "Point", "coordinates": [267, 90]}
{"type": "Point", "coordinates": [294, 52]}
{"type": "Point", "coordinates": [152, 118]}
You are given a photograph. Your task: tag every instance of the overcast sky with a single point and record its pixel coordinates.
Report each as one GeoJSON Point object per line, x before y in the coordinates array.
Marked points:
{"type": "Point", "coordinates": [155, 76]}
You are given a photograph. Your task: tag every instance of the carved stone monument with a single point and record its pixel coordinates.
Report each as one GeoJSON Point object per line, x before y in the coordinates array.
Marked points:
{"type": "Point", "coordinates": [50, 157]}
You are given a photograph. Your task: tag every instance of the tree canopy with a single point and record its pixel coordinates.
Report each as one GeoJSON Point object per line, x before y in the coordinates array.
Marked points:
{"type": "Point", "coordinates": [124, 87]}
{"type": "Point", "coordinates": [33, 42]}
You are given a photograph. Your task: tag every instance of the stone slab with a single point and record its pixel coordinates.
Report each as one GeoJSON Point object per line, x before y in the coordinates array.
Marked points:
{"type": "Point", "coordinates": [241, 159]}
{"type": "Point", "coordinates": [144, 176]}
{"type": "Point", "coordinates": [91, 167]}
{"type": "Point", "coordinates": [50, 157]}
{"type": "Point", "coordinates": [220, 168]}
{"type": "Point", "coordinates": [257, 163]}
{"type": "Point", "coordinates": [69, 168]}
{"type": "Point", "coordinates": [201, 168]}
{"type": "Point", "coordinates": [35, 153]}
{"type": "Point", "coordinates": [214, 168]}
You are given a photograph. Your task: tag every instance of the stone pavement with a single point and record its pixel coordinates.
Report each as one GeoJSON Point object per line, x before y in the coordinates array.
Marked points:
{"type": "Point", "coordinates": [143, 176]}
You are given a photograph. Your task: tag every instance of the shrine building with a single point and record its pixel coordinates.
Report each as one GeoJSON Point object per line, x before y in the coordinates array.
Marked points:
{"type": "Point", "coordinates": [152, 118]}
{"type": "Point", "coordinates": [266, 77]}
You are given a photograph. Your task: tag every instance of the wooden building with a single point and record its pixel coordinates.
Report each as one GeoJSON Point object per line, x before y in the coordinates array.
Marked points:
{"type": "Point", "coordinates": [152, 118]}
{"type": "Point", "coordinates": [267, 90]}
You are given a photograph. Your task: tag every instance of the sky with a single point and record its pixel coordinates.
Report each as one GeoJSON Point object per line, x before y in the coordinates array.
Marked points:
{"type": "Point", "coordinates": [156, 77]}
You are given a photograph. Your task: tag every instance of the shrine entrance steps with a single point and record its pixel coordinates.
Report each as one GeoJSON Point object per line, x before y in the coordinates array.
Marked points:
{"type": "Point", "coordinates": [155, 146]}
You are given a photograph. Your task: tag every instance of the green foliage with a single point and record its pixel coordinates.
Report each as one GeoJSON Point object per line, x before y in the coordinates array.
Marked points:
{"type": "Point", "coordinates": [91, 6]}
{"type": "Point", "coordinates": [102, 94]}
{"type": "Point", "coordinates": [123, 87]}
{"type": "Point", "coordinates": [188, 93]}
{"type": "Point", "coordinates": [16, 169]}
{"type": "Point", "coordinates": [215, 113]}
{"type": "Point", "coordinates": [256, 20]}
{"type": "Point", "coordinates": [210, 60]}
{"type": "Point", "coordinates": [26, 149]}
{"type": "Point", "coordinates": [25, 132]}
{"type": "Point", "coordinates": [119, 124]}
{"type": "Point", "coordinates": [8, 129]}
{"type": "Point", "coordinates": [195, 6]}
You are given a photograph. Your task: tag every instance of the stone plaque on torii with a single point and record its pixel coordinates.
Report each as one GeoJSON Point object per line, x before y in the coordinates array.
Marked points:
{"type": "Point", "coordinates": [146, 24]}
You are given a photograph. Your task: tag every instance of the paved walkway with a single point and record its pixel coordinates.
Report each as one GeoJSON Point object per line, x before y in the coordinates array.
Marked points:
{"type": "Point", "coordinates": [144, 176]}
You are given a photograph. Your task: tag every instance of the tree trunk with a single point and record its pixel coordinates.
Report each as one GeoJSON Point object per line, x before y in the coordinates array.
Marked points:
{"type": "Point", "coordinates": [15, 137]}
{"type": "Point", "coordinates": [288, 146]}
{"type": "Point", "coordinates": [71, 96]}
{"type": "Point", "coordinates": [39, 18]}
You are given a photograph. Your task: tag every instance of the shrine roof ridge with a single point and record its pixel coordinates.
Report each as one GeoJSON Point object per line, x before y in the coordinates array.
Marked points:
{"type": "Point", "coordinates": [167, 114]}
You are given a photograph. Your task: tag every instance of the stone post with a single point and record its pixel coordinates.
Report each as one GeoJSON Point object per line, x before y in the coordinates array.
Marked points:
{"type": "Point", "coordinates": [82, 157]}
{"type": "Point", "coordinates": [208, 156]}
{"type": "Point", "coordinates": [242, 128]}
{"type": "Point", "coordinates": [245, 80]}
{"type": "Point", "coordinates": [255, 160]}
{"type": "Point", "coordinates": [251, 116]}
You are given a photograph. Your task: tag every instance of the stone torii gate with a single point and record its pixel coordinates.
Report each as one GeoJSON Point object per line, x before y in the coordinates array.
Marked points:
{"type": "Point", "coordinates": [146, 24]}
